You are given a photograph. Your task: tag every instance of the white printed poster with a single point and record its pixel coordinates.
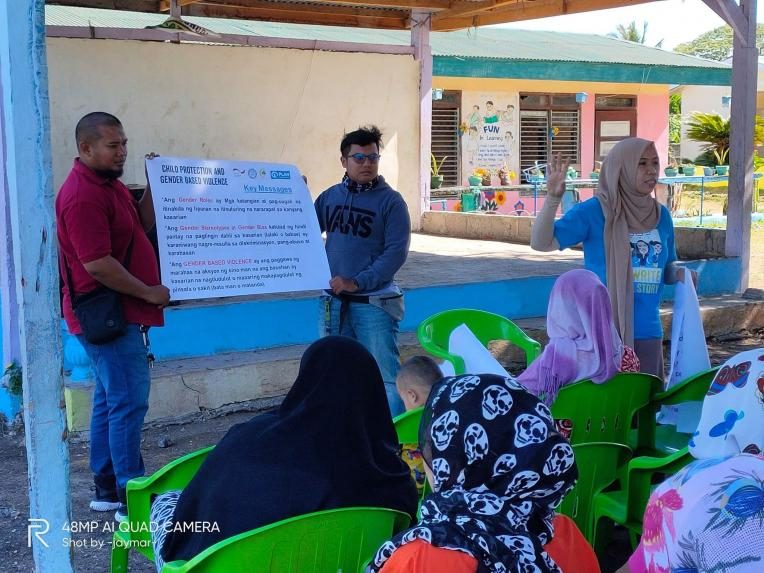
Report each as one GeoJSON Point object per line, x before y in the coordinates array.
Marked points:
{"type": "Point", "coordinates": [231, 228]}
{"type": "Point", "coordinates": [490, 132]}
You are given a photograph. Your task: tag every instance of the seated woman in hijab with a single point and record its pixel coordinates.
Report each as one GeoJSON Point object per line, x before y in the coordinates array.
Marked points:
{"type": "Point", "coordinates": [498, 470]}
{"type": "Point", "coordinates": [708, 517]}
{"type": "Point", "coordinates": [583, 342]}
{"type": "Point", "coordinates": [330, 445]}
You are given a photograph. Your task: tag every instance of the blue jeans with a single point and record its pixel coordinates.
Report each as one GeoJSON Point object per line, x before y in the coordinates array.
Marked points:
{"type": "Point", "coordinates": [120, 402]}
{"type": "Point", "coordinates": [377, 331]}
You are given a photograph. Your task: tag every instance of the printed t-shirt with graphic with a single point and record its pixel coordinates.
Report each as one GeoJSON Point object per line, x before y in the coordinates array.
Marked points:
{"type": "Point", "coordinates": [651, 252]}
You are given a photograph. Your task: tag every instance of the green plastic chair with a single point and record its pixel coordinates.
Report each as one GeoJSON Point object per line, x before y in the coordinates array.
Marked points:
{"type": "Point", "coordinates": [660, 440]}
{"type": "Point", "coordinates": [626, 506]}
{"type": "Point", "coordinates": [434, 331]}
{"type": "Point", "coordinates": [407, 428]}
{"type": "Point", "coordinates": [604, 412]}
{"type": "Point", "coordinates": [322, 542]}
{"type": "Point", "coordinates": [135, 533]}
{"type": "Point", "coordinates": [598, 464]}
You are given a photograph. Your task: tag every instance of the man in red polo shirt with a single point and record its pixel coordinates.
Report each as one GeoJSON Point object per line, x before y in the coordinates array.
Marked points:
{"type": "Point", "coordinates": [100, 227]}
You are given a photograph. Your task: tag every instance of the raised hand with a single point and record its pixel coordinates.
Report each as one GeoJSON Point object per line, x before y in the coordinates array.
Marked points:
{"type": "Point", "coordinates": [556, 172]}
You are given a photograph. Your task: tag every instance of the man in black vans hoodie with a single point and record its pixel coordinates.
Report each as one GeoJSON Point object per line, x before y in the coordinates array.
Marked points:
{"type": "Point", "coordinates": [367, 240]}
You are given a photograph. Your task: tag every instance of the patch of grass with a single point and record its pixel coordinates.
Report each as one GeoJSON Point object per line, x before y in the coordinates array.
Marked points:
{"type": "Point", "coordinates": [755, 226]}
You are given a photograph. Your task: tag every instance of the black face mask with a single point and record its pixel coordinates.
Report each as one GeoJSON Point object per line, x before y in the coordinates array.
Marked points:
{"type": "Point", "coordinates": [355, 187]}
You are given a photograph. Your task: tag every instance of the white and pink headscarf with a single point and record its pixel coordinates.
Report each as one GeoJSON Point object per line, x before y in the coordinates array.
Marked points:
{"type": "Point", "coordinates": [583, 342]}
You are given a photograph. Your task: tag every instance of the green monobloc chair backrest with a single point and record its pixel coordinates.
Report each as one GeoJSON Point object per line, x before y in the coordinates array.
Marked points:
{"type": "Point", "coordinates": [604, 412]}
{"type": "Point", "coordinates": [407, 426]}
{"type": "Point", "coordinates": [598, 464]}
{"type": "Point", "coordinates": [433, 333]}
{"type": "Point", "coordinates": [653, 440]}
{"type": "Point", "coordinates": [175, 475]}
{"type": "Point", "coordinates": [333, 541]}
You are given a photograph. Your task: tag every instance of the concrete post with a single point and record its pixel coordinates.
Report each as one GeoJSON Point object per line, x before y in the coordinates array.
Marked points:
{"type": "Point", "coordinates": [745, 57]}
{"type": "Point", "coordinates": [28, 187]}
{"type": "Point", "coordinates": [421, 23]}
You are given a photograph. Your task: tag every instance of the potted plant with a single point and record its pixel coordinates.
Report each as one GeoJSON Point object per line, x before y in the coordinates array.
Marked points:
{"type": "Point", "coordinates": [688, 169]}
{"type": "Point", "coordinates": [721, 160]}
{"type": "Point", "coordinates": [670, 171]}
{"type": "Point", "coordinates": [708, 171]}
{"type": "Point", "coordinates": [505, 175]}
{"type": "Point", "coordinates": [713, 130]}
{"type": "Point", "coordinates": [436, 179]}
{"type": "Point", "coordinates": [480, 176]}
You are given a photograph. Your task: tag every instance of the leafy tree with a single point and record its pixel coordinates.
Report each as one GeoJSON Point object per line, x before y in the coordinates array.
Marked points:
{"type": "Point", "coordinates": [631, 33]}
{"type": "Point", "coordinates": [675, 128]}
{"type": "Point", "coordinates": [675, 103]}
{"type": "Point", "coordinates": [675, 118]}
{"type": "Point", "coordinates": [715, 44]}
{"type": "Point", "coordinates": [713, 130]}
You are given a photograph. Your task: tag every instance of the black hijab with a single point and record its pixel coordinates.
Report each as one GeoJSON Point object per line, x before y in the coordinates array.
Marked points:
{"type": "Point", "coordinates": [500, 469]}
{"type": "Point", "coordinates": [331, 444]}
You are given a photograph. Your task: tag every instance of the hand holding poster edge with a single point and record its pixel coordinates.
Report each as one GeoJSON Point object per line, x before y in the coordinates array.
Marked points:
{"type": "Point", "coordinates": [235, 228]}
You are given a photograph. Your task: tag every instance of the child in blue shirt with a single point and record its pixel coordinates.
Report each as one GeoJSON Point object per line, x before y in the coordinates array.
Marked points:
{"type": "Point", "coordinates": [628, 241]}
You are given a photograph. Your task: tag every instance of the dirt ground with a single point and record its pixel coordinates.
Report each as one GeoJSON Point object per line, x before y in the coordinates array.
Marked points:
{"type": "Point", "coordinates": [16, 556]}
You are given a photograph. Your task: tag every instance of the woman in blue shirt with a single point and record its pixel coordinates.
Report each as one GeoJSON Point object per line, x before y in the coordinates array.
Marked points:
{"type": "Point", "coordinates": [628, 240]}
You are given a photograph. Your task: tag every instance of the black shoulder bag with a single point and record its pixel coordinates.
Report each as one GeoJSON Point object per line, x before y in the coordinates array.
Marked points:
{"type": "Point", "coordinates": [99, 311]}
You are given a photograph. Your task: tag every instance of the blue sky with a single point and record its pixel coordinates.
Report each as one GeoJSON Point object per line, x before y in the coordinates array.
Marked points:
{"type": "Point", "coordinates": [673, 21]}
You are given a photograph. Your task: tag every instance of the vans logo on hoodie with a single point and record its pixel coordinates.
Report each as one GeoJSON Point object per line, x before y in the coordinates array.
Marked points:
{"type": "Point", "coordinates": [348, 220]}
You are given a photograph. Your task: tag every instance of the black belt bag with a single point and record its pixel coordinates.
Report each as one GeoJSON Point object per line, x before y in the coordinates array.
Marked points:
{"type": "Point", "coordinates": [99, 311]}
{"type": "Point", "coordinates": [391, 304]}
{"type": "Point", "coordinates": [100, 315]}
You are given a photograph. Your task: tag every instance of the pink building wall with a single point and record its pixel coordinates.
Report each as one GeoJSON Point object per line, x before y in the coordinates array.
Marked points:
{"type": "Point", "coordinates": [587, 136]}
{"type": "Point", "coordinates": [652, 122]}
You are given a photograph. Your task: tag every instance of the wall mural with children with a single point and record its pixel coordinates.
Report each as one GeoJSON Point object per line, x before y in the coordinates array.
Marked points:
{"type": "Point", "coordinates": [490, 136]}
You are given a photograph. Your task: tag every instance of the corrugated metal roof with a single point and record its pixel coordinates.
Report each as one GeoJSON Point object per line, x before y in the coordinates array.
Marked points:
{"type": "Point", "coordinates": [502, 43]}
{"type": "Point", "coordinates": [488, 42]}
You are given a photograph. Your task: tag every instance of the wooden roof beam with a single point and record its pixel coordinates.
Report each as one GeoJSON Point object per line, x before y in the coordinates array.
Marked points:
{"type": "Point", "coordinates": [164, 5]}
{"type": "Point", "coordinates": [473, 8]}
{"type": "Point", "coordinates": [393, 4]}
{"type": "Point", "coordinates": [246, 6]}
{"type": "Point", "coordinates": [131, 5]}
{"type": "Point", "coordinates": [527, 11]}
{"type": "Point", "coordinates": [300, 14]}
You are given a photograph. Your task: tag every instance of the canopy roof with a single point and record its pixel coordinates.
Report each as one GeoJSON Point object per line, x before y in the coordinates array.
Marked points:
{"type": "Point", "coordinates": [385, 14]}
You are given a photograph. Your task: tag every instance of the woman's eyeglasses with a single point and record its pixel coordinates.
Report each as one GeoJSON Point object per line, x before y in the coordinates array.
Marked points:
{"type": "Point", "coordinates": [361, 158]}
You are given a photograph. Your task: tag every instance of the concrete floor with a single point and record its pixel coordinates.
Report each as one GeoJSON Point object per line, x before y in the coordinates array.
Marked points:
{"type": "Point", "coordinates": [435, 260]}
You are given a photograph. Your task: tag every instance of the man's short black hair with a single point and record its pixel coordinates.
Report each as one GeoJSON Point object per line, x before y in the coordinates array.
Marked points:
{"type": "Point", "coordinates": [87, 128]}
{"type": "Point", "coordinates": [365, 135]}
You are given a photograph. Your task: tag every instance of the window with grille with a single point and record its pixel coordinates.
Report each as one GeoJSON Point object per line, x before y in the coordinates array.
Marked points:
{"type": "Point", "coordinates": [549, 124]}
{"type": "Point", "coordinates": [534, 138]}
{"type": "Point", "coordinates": [445, 143]}
{"type": "Point", "coordinates": [565, 140]}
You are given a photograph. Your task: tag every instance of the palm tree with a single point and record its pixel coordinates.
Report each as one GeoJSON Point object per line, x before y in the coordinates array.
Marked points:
{"type": "Point", "coordinates": [632, 34]}
{"type": "Point", "coordinates": [713, 130]}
